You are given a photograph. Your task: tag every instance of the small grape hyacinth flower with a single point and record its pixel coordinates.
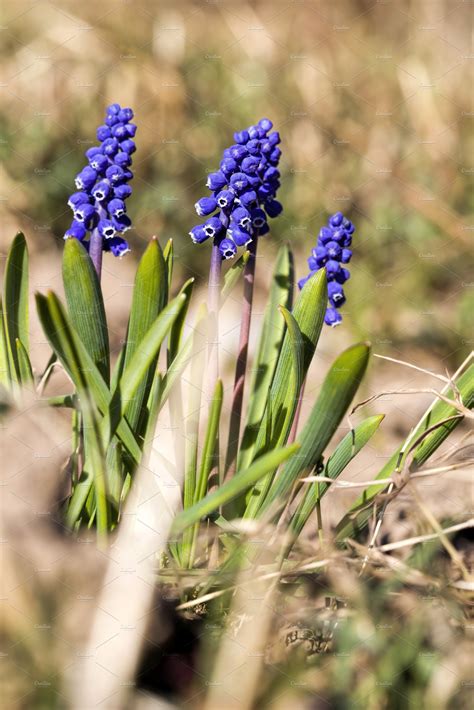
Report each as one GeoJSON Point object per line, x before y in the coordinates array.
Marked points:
{"type": "Point", "coordinates": [243, 191]}
{"type": "Point", "coordinates": [331, 252]}
{"type": "Point", "coordinates": [98, 206]}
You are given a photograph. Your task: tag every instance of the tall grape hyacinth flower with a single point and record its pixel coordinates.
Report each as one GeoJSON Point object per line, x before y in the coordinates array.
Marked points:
{"type": "Point", "coordinates": [243, 191]}
{"type": "Point", "coordinates": [331, 253]}
{"type": "Point", "coordinates": [100, 214]}
{"type": "Point", "coordinates": [243, 195]}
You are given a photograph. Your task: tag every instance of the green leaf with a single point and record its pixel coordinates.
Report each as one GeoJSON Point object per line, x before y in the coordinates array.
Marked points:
{"type": "Point", "coordinates": [232, 276]}
{"type": "Point", "coordinates": [86, 304]}
{"type": "Point", "coordinates": [271, 339]}
{"type": "Point", "coordinates": [337, 392]}
{"type": "Point", "coordinates": [26, 371]}
{"type": "Point", "coordinates": [15, 302]}
{"type": "Point", "coordinates": [356, 520]}
{"type": "Point", "coordinates": [346, 450]}
{"type": "Point", "coordinates": [178, 326]}
{"type": "Point", "coordinates": [138, 366]}
{"type": "Point", "coordinates": [275, 427]}
{"type": "Point", "coordinates": [81, 368]}
{"type": "Point", "coordinates": [168, 256]}
{"type": "Point", "coordinates": [5, 372]}
{"type": "Point", "coordinates": [210, 441]}
{"type": "Point", "coordinates": [150, 295]}
{"type": "Point", "coordinates": [232, 488]}
{"type": "Point", "coordinates": [293, 387]}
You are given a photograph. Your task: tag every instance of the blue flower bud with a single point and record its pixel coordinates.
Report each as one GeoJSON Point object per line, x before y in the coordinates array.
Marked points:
{"type": "Point", "coordinates": [332, 268]}
{"type": "Point", "coordinates": [333, 250]}
{"type": "Point", "coordinates": [238, 152]}
{"type": "Point", "coordinates": [128, 146]}
{"type": "Point", "coordinates": [198, 234]}
{"type": "Point", "coordinates": [122, 223]}
{"type": "Point", "coordinates": [265, 124]}
{"type": "Point", "coordinates": [228, 166]}
{"type": "Point", "coordinates": [117, 245]}
{"type": "Point", "coordinates": [216, 181]}
{"type": "Point", "coordinates": [259, 218]}
{"type": "Point", "coordinates": [115, 174]}
{"type": "Point", "coordinates": [113, 108]}
{"type": "Point", "coordinates": [263, 230]}
{"type": "Point", "coordinates": [84, 214]}
{"type": "Point", "coordinates": [239, 236]}
{"type": "Point", "coordinates": [241, 137]}
{"type": "Point", "coordinates": [253, 132]}
{"type": "Point", "coordinates": [325, 235]}
{"type": "Point", "coordinates": [95, 150]}
{"type": "Point", "coordinates": [213, 227]}
{"type": "Point", "coordinates": [346, 256]}
{"type": "Point", "coordinates": [116, 207]}
{"type": "Point", "coordinates": [253, 146]}
{"type": "Point", "coordinates": [106, 228]}
{"type": "Point", "coordinates": [241, 217]}
{"type": "Point", "coordinates": [336, 219]}
{"type": "Point", "coordinates": [122, 191]}
{"type": "Point", "coordinates": [119, 131]}
{"type": "Point", "coordinates": [248, 198]}
{"type": "Point", "coordinates": [342, 275]}
{"type": "Point", "coordinates": [205, 206]}
{"type": "Point", "coordinates": [101, 191]}
{"type": "Point", "coordinates": [131, 130]}
{"type": "Point", "coordinates": [99, 162]}
{"type": "Point", "coordinates": [111, 119]}
{"type": "Point", "coordinates": [332, 317]}
{"type": "Point", "coordinates": [76, 231]}
{"type": "Point", "coordinates": [274, 138]}
{"type": "Point", "coordinates": [103, 132]}
{"type": "Point", "coordinates": [336, 294]}
{"type": "Point", "coordinates": [273, 208]}
{"type": "Point", "coordinates": [86, 178]}
{"type": "Point", "coordinates": [227, 248]}
{"type": "Point", "coordinates": [275, 156]}
{"type": "Point", "coordinates": [110, 147]}
{"type": "Point", "coordinates": [122, 159]}
{"type": "Point", "coordinates": [239, 182]}
{"type": "Point", "coordinates": [78, 198]}
{"type": "Point", "coordinates": [125, 115]}
{"type": "Point", "coordinates": [250, 164]}
{"type": "Point", "coordinates": [225, 199]}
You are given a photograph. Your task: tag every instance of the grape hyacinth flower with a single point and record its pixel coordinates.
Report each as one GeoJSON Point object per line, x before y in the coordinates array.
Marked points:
{"type": "Point", "coordinates": [99, 211]}
{"type": "Point", "coordinates": [243, 191]}
{"type": "Point", "coordinates": [331, 253]}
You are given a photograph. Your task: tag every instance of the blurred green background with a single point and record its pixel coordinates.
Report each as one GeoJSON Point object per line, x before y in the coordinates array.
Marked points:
{"type": "Point", "coordinates": [372, 100]}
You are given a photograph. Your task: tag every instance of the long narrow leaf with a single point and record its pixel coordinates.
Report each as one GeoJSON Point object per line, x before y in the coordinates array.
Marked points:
{"type": "Point", "coordinates": [337, 392]}
{"type": "Point", "coordinates": [83, 371]}
{"type": "Point", "coordinates": [268, 351]}
{"type": "Point", "coordinates": [86, 304]}
{"type": "Point", "coordinates": [293, 386]}
{"type": "Point", "coordinates": [176, 332]}
{"type": "Point", "coordinates": [346, 450]}
{"type": "Point", "coordinates": [150, 295]}
{"type": "Point", "coordinates": [15, 301]}
{"type": "Point", "coordinates": [232, 488]}
{"type": "Point", "coordinates": [139, 365]}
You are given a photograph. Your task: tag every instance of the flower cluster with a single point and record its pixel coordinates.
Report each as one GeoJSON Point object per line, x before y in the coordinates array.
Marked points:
{"type": "Point", "coordinates": [331, 252]}
{"type": "Point", "coordinates": [99, 203]}
{"type": "Point", "coordinates": [243, 191]}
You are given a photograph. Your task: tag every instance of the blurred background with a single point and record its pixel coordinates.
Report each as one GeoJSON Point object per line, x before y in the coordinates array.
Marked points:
{"type": "Point", "coordinates": [374, 104]}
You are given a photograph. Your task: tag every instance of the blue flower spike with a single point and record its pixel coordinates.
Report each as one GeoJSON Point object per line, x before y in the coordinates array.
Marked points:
{"type": "Point", "coordinates": [331, 252]}
{"type": "Point", "coordinates": [102, 186]}
{"type": "Point", "coordinates": [243, 191]}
